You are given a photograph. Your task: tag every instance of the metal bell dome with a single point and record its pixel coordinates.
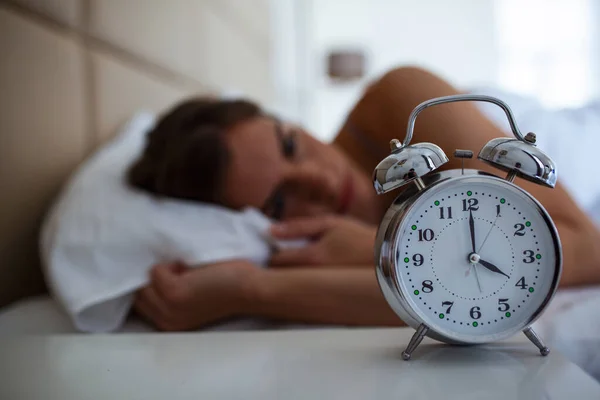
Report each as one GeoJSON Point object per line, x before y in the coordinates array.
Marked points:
{"type": "Point", "coordinates": [406, 164]}
{"type": "Point", "coordinates": [521, 157]}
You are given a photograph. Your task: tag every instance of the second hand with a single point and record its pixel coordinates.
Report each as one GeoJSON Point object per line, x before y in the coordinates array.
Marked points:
{"type": "Point", "coordinates": [477, 278]}
{"type": "Point", "coordinates": [488, 235]}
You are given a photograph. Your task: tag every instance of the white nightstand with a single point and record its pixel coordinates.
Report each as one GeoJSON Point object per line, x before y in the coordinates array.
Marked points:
{"type": "Point", "coordinates": [299, 364]}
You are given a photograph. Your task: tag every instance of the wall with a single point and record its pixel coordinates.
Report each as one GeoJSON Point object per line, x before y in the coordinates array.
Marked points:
{"type": "Point", "coordinates": [547, 50]}
{"type": "Point", "coordinates": [453, 38]}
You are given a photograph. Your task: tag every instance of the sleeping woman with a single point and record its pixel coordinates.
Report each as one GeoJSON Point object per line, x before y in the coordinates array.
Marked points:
{"type": "Point", "coordinates": [234, 154]}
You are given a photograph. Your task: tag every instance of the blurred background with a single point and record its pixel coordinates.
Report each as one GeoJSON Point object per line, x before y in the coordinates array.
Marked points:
{"type": "Point", "coordinates": [547, 49]}
{"type": "Point", "coordinates": [72, 72]}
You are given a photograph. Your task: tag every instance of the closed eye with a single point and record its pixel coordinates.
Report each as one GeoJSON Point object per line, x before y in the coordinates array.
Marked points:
{"type": "Point", "coordinates": [286, 140]}
{"type": "Point", "coordinates": [275, 205]}
{"type": "Point", "coordinates": [288, 145]}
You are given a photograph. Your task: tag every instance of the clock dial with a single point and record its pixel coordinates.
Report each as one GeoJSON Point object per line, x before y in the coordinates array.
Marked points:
{"type": "Point", "coordinates": [476, 257]}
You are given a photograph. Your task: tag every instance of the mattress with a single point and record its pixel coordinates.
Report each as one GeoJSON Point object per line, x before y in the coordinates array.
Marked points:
{"type": "Point", "coordinates": [571, 324]}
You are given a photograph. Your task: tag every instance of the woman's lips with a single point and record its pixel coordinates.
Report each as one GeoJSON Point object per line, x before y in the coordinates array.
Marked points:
{"type": "Point", "coordinates": [346, 194]}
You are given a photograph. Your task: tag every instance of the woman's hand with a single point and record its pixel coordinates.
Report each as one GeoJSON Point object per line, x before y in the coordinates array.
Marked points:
{"type": "Point", "coordinates": [336, 241]}
{"type": "Point", "coordinates": [181, 298]}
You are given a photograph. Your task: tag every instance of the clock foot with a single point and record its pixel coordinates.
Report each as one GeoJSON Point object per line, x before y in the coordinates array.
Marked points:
{"type": "Point", "coordinates": [535, 339]}
{"type": "Point", "coordinates": [415, 341]}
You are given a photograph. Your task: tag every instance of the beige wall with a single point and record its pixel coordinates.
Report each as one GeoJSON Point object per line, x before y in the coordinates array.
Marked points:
{"type": "Point", "coordinates": [73, 70]}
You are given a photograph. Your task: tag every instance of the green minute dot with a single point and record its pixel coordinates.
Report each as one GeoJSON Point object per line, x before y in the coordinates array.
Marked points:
{"type": "Point", "coordinates": [414, 227]}
{"type": "Point", "coordinates": [441, 315]}
{"type": "Point", "coordinates": [475, 324]}
{"type": "Point", "coordinates": [531, 290]}
{"type": "Point", "coordinates": [507, 314]}
{"type": "Point", "coordinates": [527, 223]}
{"type": "Point", "coordinates": [502, 201]}
{"type": "Point", "coordinates": [469, 193]}
{"type": "Point", "coordinates": [538, 256]}
{"type": "Point", "coordinates": [416, 292]}
{"type": "Point", "coordinates": [406, 259]}
{"type": "Point", "coordinates": [437, 203]}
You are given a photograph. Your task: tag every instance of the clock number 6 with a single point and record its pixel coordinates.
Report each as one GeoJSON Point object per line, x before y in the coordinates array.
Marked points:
{"type": "Point", "coordinates": [475, 313]}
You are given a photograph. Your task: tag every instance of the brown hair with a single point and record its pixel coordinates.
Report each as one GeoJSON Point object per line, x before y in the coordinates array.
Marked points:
{"type": "Point", "coordinates": [186, 155]}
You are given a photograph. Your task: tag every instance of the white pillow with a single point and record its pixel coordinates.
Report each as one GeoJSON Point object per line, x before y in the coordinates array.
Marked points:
{"type": "Point", "coordinates": [101, 237]}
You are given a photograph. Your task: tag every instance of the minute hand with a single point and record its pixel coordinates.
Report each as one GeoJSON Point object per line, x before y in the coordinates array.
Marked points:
{"type": "Point", "coordinates": [472, 230]}
{"type": "Point", "coordinates": [492, 267]}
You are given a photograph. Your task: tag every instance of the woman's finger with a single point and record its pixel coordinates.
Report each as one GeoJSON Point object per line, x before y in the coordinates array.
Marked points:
{"type": "Point", "coordinates": [150, 301]}
{"type": "Point", "coordinates": [301, 227]}
{"type": "Point", "coordinates": [148, 312]}
{"type": "Point", "coordinates": [166, 282]}
{"type": "Point", "coordinates": [144, 310]}
{"type": "Point", "coordinates": [179, 267]}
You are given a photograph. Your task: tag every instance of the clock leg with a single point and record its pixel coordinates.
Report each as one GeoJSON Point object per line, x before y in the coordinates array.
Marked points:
{"type": "Point", "coordinates": [415, 341]}
{"type": "Point", "coordinates": [535, 339]}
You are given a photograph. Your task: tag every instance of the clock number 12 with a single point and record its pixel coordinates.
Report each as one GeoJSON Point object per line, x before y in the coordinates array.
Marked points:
{"type": "Point", "coordinates": [470, 204]}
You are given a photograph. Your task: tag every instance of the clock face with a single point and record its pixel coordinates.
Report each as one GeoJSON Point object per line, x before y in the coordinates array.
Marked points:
{"type": "Point", "coordinates": [477, 258]}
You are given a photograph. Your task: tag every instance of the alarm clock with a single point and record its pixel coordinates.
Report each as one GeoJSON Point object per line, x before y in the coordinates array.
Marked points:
{"type": "Point", "coordinates": [464, 256]}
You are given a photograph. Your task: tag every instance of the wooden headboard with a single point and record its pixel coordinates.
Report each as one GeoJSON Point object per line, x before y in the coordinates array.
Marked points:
{"type": "Point", "coordinates": [72, 71]}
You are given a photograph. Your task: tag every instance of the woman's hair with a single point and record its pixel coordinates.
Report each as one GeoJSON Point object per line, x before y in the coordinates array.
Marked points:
{"type": "Point", "coordinates": [186, 155]}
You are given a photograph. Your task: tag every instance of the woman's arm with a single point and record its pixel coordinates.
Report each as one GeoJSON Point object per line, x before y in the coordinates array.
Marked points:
{"type": "Point", "coordinates": [180, 298]}
{"type": "Point", "coordinates": [321, 296]}
{"type": "Point", "coordinates": [382, 114]}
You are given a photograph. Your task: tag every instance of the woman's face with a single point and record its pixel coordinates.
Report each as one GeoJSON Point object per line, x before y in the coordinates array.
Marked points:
{"type": "Point", "coordinates": [283, 171]}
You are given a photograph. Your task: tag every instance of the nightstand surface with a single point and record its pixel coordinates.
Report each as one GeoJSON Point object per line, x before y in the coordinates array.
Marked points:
{"type": "Point", "coordinates": [286, 364]}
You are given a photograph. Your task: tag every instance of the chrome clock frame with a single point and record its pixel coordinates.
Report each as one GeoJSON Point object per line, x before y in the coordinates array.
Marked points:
{"type": "Point", "coordinates": [389, 281]}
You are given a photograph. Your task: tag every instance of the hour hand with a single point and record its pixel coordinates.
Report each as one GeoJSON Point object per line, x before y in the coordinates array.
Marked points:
{"type": "Point", "coordinates": [491, 267]}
